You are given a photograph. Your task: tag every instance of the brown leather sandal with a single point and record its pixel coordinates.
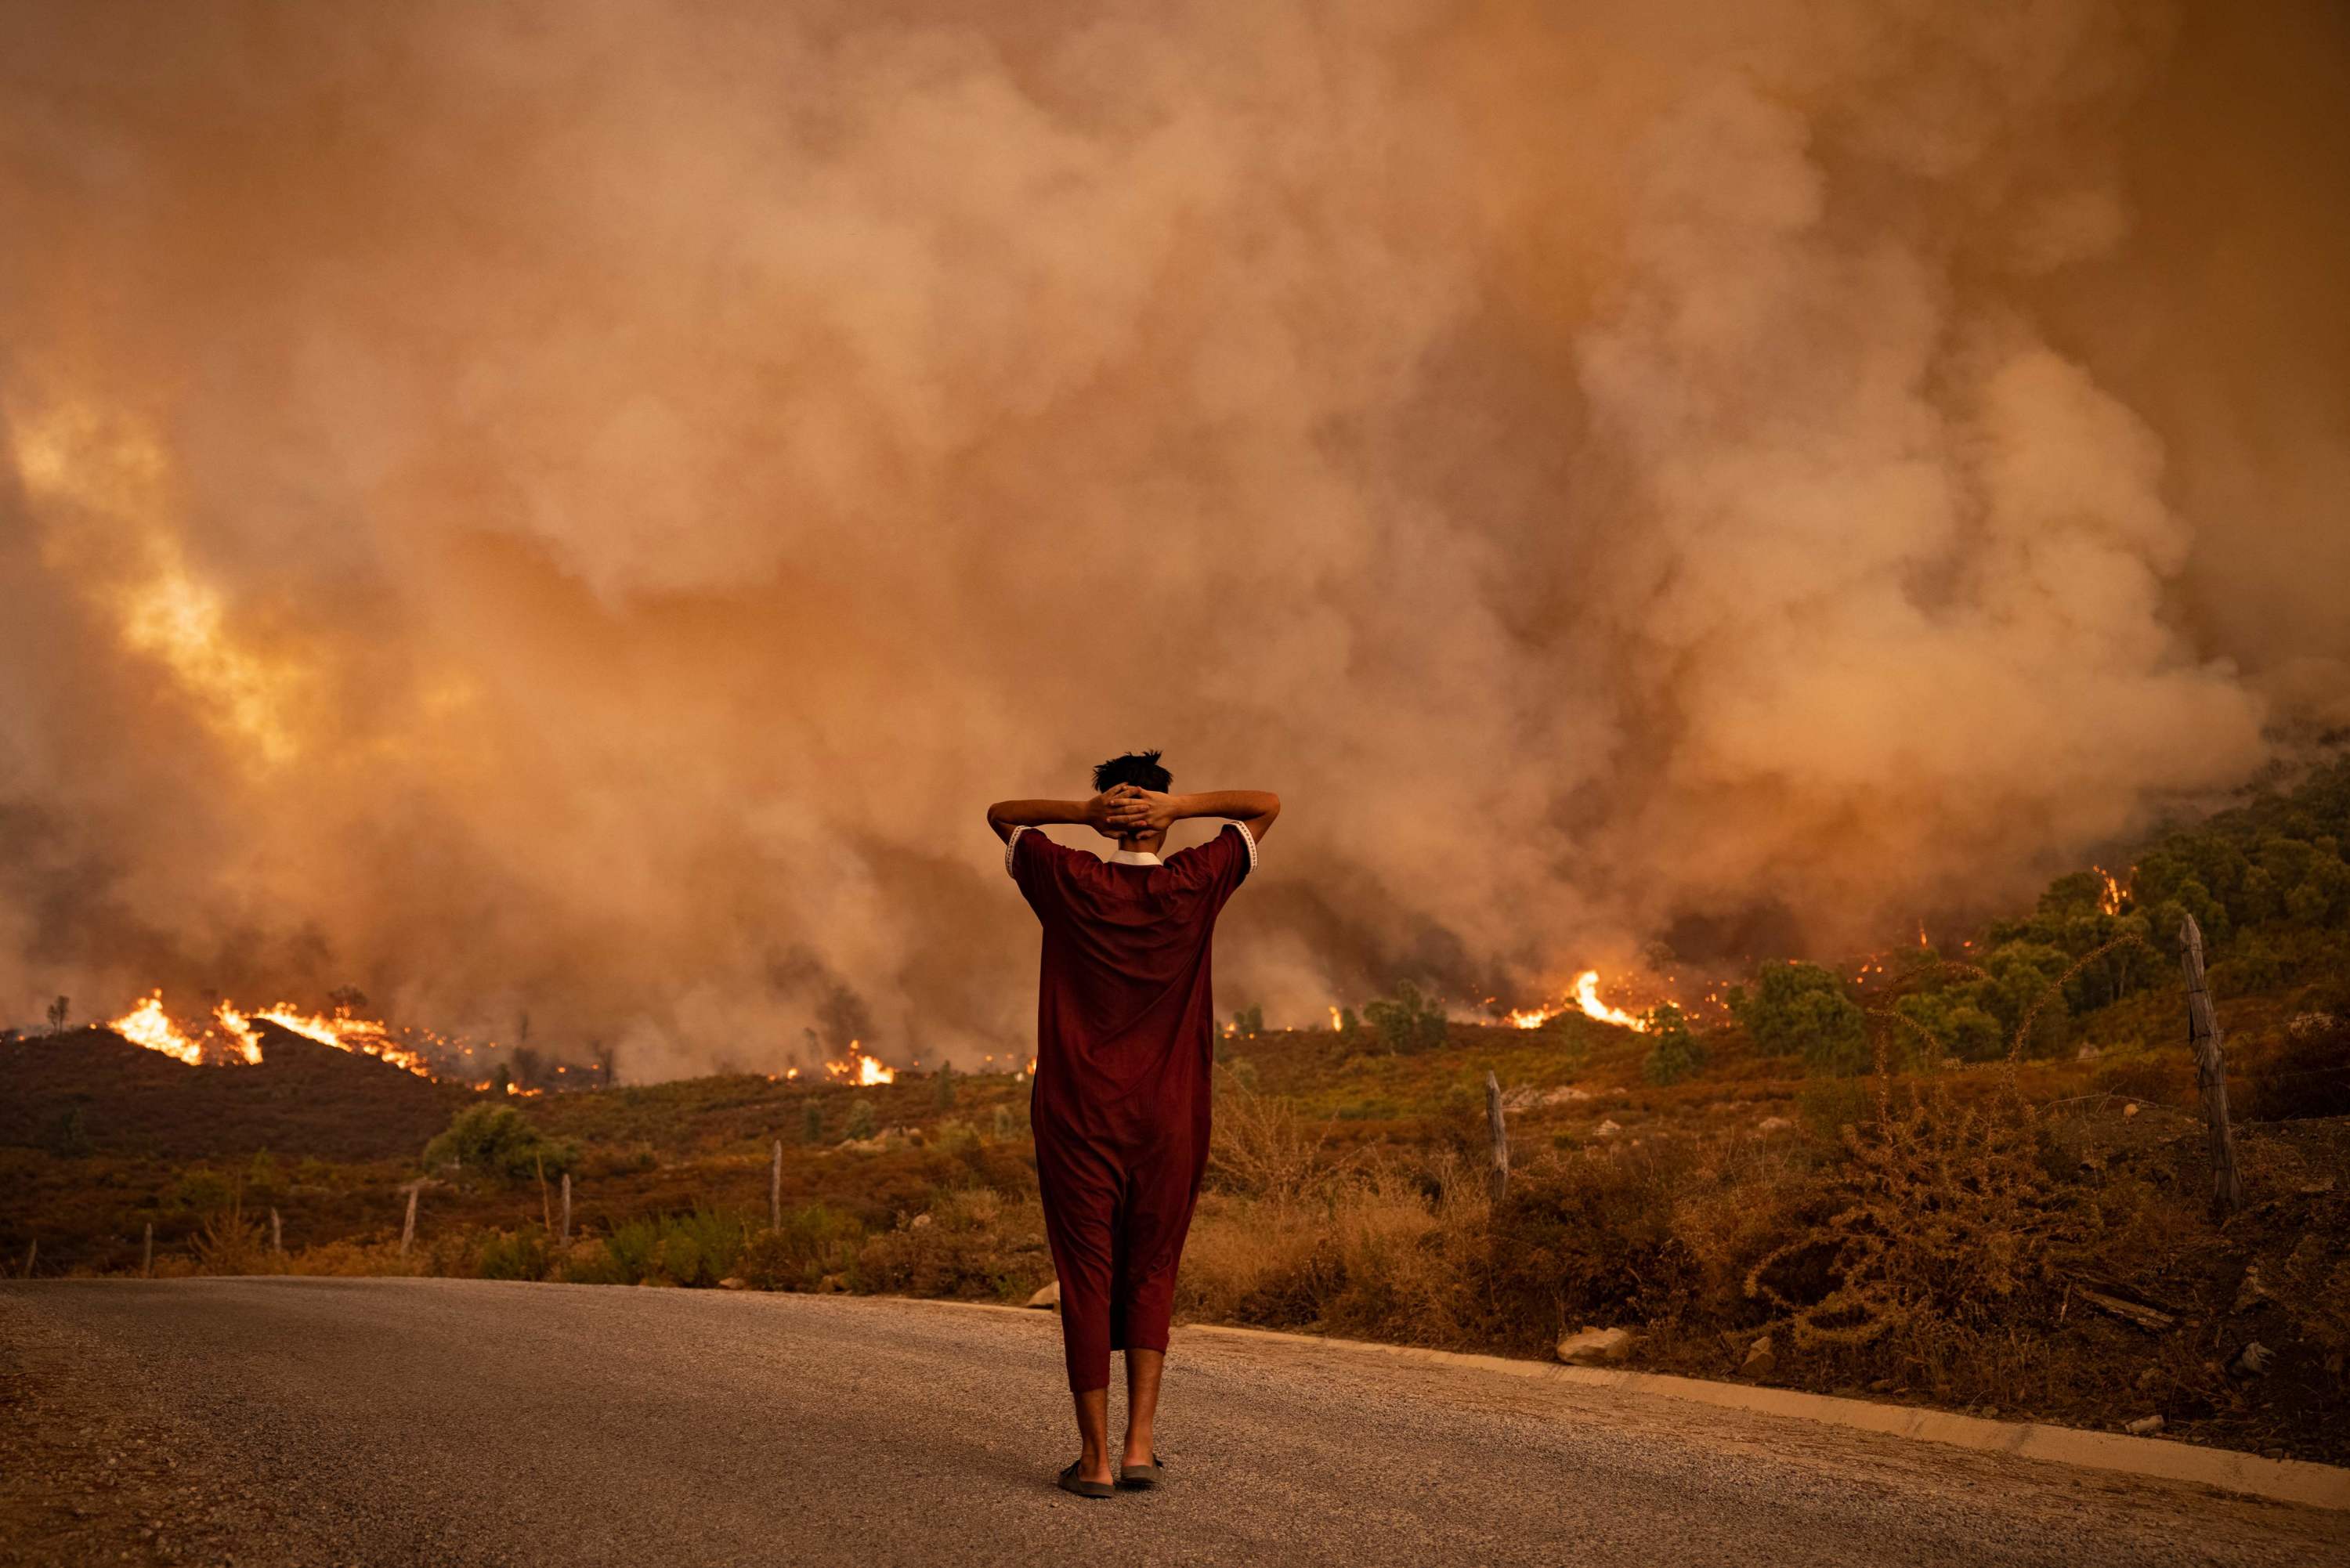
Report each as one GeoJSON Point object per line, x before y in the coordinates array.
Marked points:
{"type": "Point", "coordinates": [1141, 1478]}
{"type": "Point", "coordinates": [1069, 1482]}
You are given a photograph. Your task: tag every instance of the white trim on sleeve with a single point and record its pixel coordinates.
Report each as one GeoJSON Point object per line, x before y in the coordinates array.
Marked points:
{"type": "Point", "coordinates": [1008, 845]}
{"type": "Point", "coordinates": [1250, 839]}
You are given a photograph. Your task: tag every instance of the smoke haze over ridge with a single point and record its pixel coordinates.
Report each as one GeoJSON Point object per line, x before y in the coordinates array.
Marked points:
{"type": "Point", "coordinates": [577, 507]}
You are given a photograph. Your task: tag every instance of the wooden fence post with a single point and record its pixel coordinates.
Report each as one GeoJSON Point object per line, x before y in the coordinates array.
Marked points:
{"type": "Point", "coordinates": [2210, 1072]}
{"type": "Point", "coordinates": [776, 1190]}
{"type": "Point", "coordinates": [276, 1233]}
{"type": "Point", "coordinates": [147, 1253]}
{"type": "Point", "coordinates": [563, 1238]}
{"type": "Point", "coordinates": [546, 1213]}
{"type": "Point", "coordinates": [1499, 1176]}
{"type": "Point", "coordinates": [408, 1227]}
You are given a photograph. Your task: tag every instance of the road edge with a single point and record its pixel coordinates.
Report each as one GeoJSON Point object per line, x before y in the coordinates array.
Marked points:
{"type": "Point", "coordinates": [2300, 1481]}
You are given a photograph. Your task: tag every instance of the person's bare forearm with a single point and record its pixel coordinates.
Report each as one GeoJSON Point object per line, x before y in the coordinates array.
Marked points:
{"type": "Point", "coordinates": [1006, 815]}
{"type": "Point", "coordinates": [1239, 805]}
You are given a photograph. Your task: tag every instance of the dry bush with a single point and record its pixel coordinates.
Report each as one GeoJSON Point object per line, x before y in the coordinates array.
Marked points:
{"type": "Point", "coordinates": [1943, 1220]}
{"type": "Point", "coordinates": [1371, 1249]}
{"type": "Point", "coordinates": [226, 1243]}
{"type": "Point", "coordinates": [354, 1259]}
{"type": "Point", "coordinates": [971, 1243]}
{"type": "Point", "coordinates": [1261, 1148]}
{"type": "Point", "coordinates": [1658, 1237]}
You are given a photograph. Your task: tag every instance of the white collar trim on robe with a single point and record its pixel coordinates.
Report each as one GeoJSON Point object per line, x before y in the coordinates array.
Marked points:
{"type": "Point", "coordinates": [1135, 857]}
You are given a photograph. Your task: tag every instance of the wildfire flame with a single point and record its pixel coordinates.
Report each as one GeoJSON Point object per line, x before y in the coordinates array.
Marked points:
{"type": "Point", "coordinates": [248, 1038]}
{"type": "Point", "coordinates": [861, 1068]}
{"type": "Point", "coordinates": [1587, 996]}
{"type": "Point", "coordinates": [364, 1036]}
{"type": "Point", "coordinates": [1586, 999]}
{"type": "Point", "coordinates": [230, 1034]}
{"type": "Point", "coordinates": [1336, 1024]}
{"type": "Point", "coordinates": [147, 1024]}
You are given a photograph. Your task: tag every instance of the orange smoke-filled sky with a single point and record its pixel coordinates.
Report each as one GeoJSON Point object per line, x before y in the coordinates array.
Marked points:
{"type": "Point", "coordinates": [574, 507]}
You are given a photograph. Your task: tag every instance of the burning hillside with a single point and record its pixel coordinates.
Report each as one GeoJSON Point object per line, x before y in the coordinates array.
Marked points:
{"type": "Point", "coordinates": [97, 1088]}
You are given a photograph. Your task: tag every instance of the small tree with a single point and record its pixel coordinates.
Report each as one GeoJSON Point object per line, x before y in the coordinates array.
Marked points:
{"type": "Point", "coordinates": [499, 1141]}
{"type": "Point", "coordinates": [1249, 1021]}
{"type": "Point", "coordinates": [1674, 1053]}
{"type": "Point", "coordinates": [1407, 1021]}
{"type": "Point", "coordinates": [812, 1123]}
{"type": "Point", "coordinates": [1348, 1022]}
{"type": "Point", "coordinates": [1802, 1008]}
{"type": "Point", "coordinates": [946, 1089]}
{"type": "Point", "coordinates": [59, 1011]}
{"type": "Point", "coordinates": [861, 1120]}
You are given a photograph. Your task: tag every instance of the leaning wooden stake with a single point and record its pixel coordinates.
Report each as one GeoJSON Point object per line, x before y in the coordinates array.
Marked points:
{"type": "Point", "coordinates": [545, 1214]}
{"type": "Point", "coordinates": [1500, 1175]}
{"type": "Point", "coordinates": [2210, 1072]}
{"type": "Point", "coordinates": [276, 1233]}
{"type": "Point", "coordinates": [408, 1227]}
{"type": "Point", "coordinates": [147, 1253]}
{"type": "Point", "coordinates": [776, 1190]}
{"type": "Point", "coordinates": [563, 1237]}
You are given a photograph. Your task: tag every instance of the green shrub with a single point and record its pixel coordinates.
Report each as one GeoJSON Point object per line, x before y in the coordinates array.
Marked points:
{"type": "Point", "coordinates": [861, 1120]}
{"type": "Point", "coordinates": [1801, 1009]}
{"type": "Point", "coordinates": [812, 1123]}
{"type": "Point", "coordinates": [512, 1255]}
{"type": "Point", "coordinates": [1956, 1027]}
{"type": "Point", "coordinates": [499, 1141]}
{"type": "Point", "coordinates": [633, 1249]}
{"type": "Point", "coordinates": [1675, 1054]}
{"type": "Point", "coordinates": [1407, 1021]}
{"type": "Point", "coordinates": [815, 1240]}
{"type": "Point", "coordinates": [701, 1248]}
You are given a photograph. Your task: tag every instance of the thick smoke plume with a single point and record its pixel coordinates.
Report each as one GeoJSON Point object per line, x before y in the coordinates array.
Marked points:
{"type": "Point", "coordinates": [574, 507]}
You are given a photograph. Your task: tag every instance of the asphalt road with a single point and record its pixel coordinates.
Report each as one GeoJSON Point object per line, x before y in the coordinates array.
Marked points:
{"type": "Point", "coordinates": [427, 1421]}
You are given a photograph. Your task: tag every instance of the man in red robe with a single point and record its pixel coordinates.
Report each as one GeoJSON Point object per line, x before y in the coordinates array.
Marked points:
{"type": "Point", "coordinates": [1126, 1027]}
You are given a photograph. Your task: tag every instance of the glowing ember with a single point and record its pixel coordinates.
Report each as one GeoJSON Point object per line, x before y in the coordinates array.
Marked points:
{"type": "Point", "coordinates": [147, 1024]}
{"type": "Point", "coordinates": [2110, 897]}
{"type": "Point", "coordinates": [1587, 996]}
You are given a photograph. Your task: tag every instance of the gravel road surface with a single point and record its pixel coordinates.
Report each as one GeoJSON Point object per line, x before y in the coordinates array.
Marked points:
{"type": "Point", "coordinates": [445, 1421]}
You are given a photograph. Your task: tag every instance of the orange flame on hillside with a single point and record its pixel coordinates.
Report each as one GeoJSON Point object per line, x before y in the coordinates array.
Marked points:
{"type": "Point", "coordinates": [2116, 889]}
{"type": "Point", "coordinates": [1587, 996]}
{"type": "Point", "coordinates": [1586, 1000]}
{"type": "Point", "coordinates": [147, 1024]}
{"type": "Point", "coordinates": [362, 1036]}
{"type": "Point", "coordinates": [861, 1068]}
{"type": "Point", "coordinates": [231, 1035]}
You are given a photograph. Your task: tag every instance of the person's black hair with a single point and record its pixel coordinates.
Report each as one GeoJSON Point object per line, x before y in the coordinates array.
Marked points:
{"type": "Point", "coordinates": [1141, 769]}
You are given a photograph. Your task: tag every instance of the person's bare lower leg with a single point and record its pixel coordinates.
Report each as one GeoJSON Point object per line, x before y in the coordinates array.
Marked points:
{"type": "Point", "coordinates": [1142, 1371]}
{"type": "Point", "coordinates": [1093, 1434]}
